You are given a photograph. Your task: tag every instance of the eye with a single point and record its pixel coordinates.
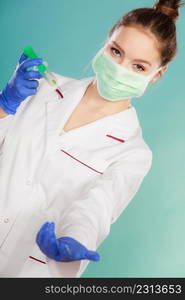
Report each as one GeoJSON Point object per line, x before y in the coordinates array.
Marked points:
{"type": "Point", "coordinates": [116, 50]}
{"type": "Point", "coordinates": [139, 67]}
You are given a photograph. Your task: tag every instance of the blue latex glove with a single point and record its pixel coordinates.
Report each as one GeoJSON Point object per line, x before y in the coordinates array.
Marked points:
{"type": "Point", "coordinates": [64, 249]}
{"type": "Point", "coordinates": [20, 85]}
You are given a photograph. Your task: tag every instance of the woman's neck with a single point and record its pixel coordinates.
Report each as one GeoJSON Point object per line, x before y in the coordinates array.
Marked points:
{"type": "Point", "coordinates": [94, 100]}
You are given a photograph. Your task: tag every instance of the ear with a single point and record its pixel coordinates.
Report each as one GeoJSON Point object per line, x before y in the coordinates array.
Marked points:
{"type": "Point", "coordinates": [159, 74]}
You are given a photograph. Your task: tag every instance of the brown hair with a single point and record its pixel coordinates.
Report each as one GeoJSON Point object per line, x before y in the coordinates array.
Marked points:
{"type": "Point", "coordinates": [160, 20]}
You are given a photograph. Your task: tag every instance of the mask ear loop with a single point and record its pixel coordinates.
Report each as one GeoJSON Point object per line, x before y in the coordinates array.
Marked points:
{"type": "Point", "coordinates": [157, 70]}
{"type": "Point", "coordinates": [154, 73]}
{"type": "Point", "coordinates": [90, 62]}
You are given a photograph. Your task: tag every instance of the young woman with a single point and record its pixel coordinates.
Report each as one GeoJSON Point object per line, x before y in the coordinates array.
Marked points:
{"type": "Point", "coordinates": [70, 166]}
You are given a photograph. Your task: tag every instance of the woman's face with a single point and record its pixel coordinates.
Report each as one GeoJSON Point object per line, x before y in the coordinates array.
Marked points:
{"type": "Point", "coordinates": [137, 49]}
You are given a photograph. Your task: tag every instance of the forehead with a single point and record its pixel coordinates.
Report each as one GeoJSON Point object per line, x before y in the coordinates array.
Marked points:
{"type": "Point", "coordinates": [137, 42]}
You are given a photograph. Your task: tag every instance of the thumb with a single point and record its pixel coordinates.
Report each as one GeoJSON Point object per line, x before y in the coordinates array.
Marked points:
{"type": "Point", "coordinates": [92, 255]}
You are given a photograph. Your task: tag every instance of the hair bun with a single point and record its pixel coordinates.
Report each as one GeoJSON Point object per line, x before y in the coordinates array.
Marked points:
{"type": "Point", "coordinates": [169, 8]}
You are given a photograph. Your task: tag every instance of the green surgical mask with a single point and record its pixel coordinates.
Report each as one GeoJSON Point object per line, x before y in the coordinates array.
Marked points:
{"type": "Point", "coordinates": [115, 82]}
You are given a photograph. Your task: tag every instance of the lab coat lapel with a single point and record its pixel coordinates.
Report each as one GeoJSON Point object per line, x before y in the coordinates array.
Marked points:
{"type": "Point", "coordinates": [124, 124]}
{"type": "Point", "coordinates": [58, 110]}
{"type": "Point", "coordinates": [121, 125]}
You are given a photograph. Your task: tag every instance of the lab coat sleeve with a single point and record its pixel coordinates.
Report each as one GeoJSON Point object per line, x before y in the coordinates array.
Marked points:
{"type": "Point", "coordinates": [5, 122]}
{"type": "Point", "coordinates": [89, 219]}
{"type": "Point", "coordinates": [4, 125]}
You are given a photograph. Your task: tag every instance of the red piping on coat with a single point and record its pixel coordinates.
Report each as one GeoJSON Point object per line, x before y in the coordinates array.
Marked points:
{"type": "Point", "coordinates": [37, 259]}
{"type": "Point", "coordinates": [113, 137]}
{"type": "Point", "coordinates": [81, 162]}
{"type": "Point", "coordinates": [59, 93]}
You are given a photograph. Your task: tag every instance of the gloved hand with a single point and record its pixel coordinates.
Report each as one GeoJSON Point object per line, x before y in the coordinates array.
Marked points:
{"type": "Point", "coordinates": [64, 249]}
{"type": "Point", "coordinates": [20, 86]}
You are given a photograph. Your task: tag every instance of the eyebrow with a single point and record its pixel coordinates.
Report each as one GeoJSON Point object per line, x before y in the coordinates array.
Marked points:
{"type": "Point", "coordinates": [138, 59]}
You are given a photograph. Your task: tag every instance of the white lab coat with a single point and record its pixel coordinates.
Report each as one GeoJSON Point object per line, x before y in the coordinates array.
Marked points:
{"type": "Point", "coordinates": [82, 179]}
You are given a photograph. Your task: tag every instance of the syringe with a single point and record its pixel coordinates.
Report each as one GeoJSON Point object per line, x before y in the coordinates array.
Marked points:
{"type": "Point", "coordinates": [51, 79]}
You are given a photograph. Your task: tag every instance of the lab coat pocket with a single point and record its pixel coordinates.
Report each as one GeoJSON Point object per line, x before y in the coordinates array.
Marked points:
{"type": "Point", "coordinates": [35, 265]}
{"type": "Point", "coordinates": [87, 160]}
{"type": "Point", "coordinates": [115, 138]}
{"type": "Point", "coordinates": [36, 255]}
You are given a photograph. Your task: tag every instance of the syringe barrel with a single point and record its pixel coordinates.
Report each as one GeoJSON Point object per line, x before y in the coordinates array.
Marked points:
{"type": "Point", "coordinates": [50, 78]}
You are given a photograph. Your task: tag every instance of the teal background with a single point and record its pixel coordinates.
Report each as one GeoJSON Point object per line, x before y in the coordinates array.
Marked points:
{"type": "Point", "coordinates": [148, 239]}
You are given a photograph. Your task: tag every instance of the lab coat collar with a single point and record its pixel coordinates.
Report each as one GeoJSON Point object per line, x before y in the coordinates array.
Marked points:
{"type": "Point", "coordinates": [122, 124]}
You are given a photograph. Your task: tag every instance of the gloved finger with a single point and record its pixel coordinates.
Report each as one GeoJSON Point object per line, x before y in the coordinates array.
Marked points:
{"type": "Point", "coordinates": [32, 74]}
{"type": "Point", "coordinates": [92, 255]}
{"type": "Point", "coordinates": [25, 92]}
{"type": "Point", "coordinates": [83, 253]}
{"type": "Point", "coordinates": [30, 84]}
{"type": "Point", "coordinates": [64, 248]}
{"type": "Point", "coordinates": [71, 249]}
{"type": "Point", "coordinates": [41, 233]}
{"type": "Point", "coordinates": [30, 63]}
{"type": "Point", "coordinates": [69, 253]}
{"type": "Point", "coordinates": [22, 58]}
{"type": "Point", "coordinates": [50, 235]}
{"type": "Point", "coordinates": [49, 242]}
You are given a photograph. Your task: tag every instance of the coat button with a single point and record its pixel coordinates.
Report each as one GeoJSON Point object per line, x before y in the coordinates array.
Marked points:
{"type": "Point", "coordinates": [28, 182]}
{"type": "Point", "coordinates": [6, 220]}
